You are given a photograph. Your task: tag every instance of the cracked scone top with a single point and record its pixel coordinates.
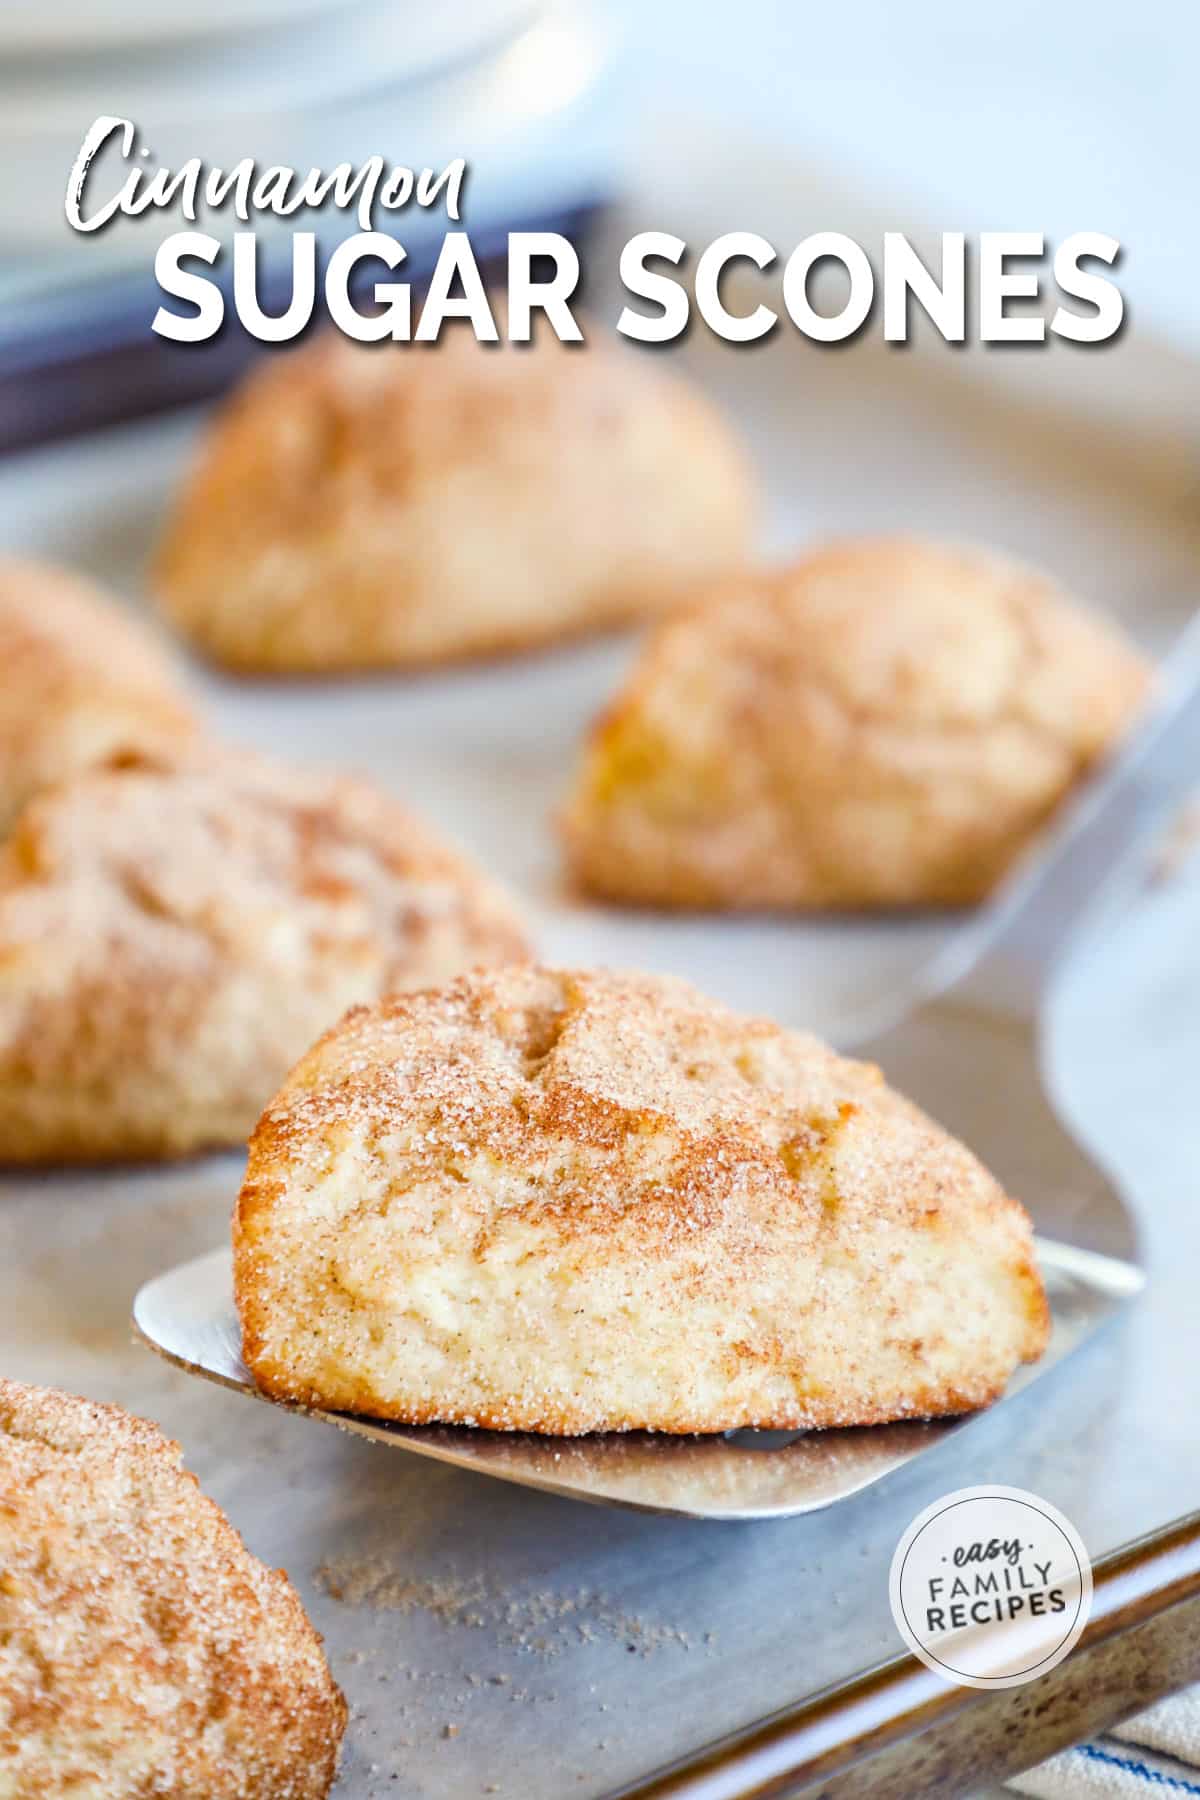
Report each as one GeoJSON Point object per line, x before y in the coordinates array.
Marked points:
{"type": "Point", "coordinates": [562, 1202]}
{"type": "Point", "coordinates": [80, 680]}
{"type": "Point", "coordinates": [172, 936]}
{"type": "Point", "coordinates": [394, 505]}
{"type": "Point", "coordinates": [143, 1650]}
{"type": "Point", "coordinates": [886, 722]}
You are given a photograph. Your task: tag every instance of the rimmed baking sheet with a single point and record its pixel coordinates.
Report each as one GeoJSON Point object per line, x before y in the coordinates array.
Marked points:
{"type": "Point", "coordinates": [492, 1638]}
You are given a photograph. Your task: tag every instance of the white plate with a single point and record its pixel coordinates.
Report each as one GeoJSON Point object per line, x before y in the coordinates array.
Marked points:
{"type": "Point", "coordinates": [99, 25]}
{"type": "Point", "coordinates": [316, 63]}
{"type": "Point", "coordinates": [537, 112]}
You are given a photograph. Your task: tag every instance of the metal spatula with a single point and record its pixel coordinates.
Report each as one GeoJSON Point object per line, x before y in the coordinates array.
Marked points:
{"type": "Point", "coordinates": [969, 1052]}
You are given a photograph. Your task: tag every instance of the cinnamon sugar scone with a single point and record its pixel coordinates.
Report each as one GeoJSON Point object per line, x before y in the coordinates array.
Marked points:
{"type": "Point", "coordinates": [80, 680]}
{"type": "Point", "coordinates": [358, 506]}
{"type": "Point", "coordinates": [547, 1201]}
{"type": "Point", "coordinates": [143, 1650]}
{"type": "Point", "coordinates": [172, 936]}
{"type": "Point", "coordinates": [886, 722]}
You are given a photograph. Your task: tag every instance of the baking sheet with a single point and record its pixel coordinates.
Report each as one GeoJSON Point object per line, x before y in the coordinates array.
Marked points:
{"type": "Point", "coordinates": [491, 1639]}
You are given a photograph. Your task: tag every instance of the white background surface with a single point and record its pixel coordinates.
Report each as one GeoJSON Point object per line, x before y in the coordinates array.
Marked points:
{"type": "Point", "coordinates": [1059, 119]}
{"type": "Point", "coordinates": [1021, 117]}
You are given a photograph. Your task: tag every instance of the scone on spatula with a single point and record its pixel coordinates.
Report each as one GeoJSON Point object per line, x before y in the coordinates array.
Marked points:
{"type": "Point", "coordinates": [572, 1202]}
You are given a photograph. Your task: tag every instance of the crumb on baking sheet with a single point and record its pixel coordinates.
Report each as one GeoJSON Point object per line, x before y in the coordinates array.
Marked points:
{"type": "Point", "coordinates": [542, 1623]}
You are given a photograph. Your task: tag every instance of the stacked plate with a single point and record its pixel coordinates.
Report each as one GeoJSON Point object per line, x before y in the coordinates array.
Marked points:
{"type": "Point", "coordinates": [525, 91]}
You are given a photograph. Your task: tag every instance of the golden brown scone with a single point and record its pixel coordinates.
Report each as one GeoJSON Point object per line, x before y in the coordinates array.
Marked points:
{"type": "Point", "coordinates": [362, 506]}
{"type": "Point", "coordinates": [80, 680]}
{"type": "Point", "coordinates": [887, 722]}
{"type": "Point", "coordinates": [172, 936]}
{"type": "Point", "coordinates": [547, 1201]}
{"type": "Point", "coordinates": [143, 1650]}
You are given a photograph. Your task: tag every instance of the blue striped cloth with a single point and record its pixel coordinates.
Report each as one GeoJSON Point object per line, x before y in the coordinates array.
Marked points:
{"type": "Point", "coordinates": [1156, 1753]}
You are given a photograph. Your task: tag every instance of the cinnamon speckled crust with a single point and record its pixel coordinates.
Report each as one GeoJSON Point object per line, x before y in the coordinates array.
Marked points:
{"type": "Point", "coordinates": [886, 722]}
{"type": "Point", "coordinates": [359, 506]}
{"type": "Point", "coordinates": [80, 680]}
{"type": "Point", "coordinates": [561, 1202]}
{"type": "Point", "coordinates": [143, 1650]}
{"type": "Point", "coordinates": [172, 935]}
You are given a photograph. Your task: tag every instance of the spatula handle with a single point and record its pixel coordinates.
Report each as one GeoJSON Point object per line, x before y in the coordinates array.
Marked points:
{"type": "Point", "coordinates": [1008, 954]}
